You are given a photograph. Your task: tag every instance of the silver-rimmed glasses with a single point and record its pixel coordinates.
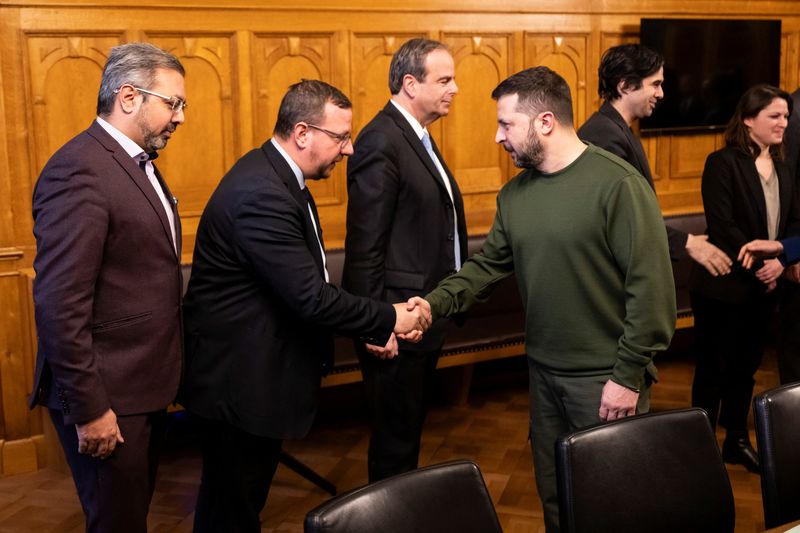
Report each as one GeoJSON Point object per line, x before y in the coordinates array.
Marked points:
{"type": "Point", "coordinates": [176, 104]}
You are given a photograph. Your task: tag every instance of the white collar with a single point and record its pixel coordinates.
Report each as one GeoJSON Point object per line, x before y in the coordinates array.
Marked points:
{"type": "Point", "coordinates": [301, 181]}
{"type": "Point", "coordinates": [130, 147]}
{"type": "Point", "coordinates": [415, 125]}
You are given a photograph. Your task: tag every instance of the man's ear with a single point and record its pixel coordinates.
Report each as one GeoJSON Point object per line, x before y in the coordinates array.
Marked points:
{"type": "Point", "coordinates": [623, 88]}
{"type": "Point", "coordinates": [547, 122]}
{"type": "Point", "coordinates": [126, 96]}
{"type": "Point", "coordinates": [300, 135]}
{"type": "Point", "coordinates": [410, 85]}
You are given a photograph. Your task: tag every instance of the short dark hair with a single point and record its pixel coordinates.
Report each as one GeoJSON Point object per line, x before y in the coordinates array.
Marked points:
{"type": "Point", "coordinates": [134, 63]}
{"type": "Point", "coordinates": [629, 63]}
{"type": "Point", "coordinates": [305, 102]}
{"type": "Point", "coordinates": [756, 98]}
{"type": "Point", "coordinates": [539, 89]}
{"type": "Point", "coordinates": [410, 59]}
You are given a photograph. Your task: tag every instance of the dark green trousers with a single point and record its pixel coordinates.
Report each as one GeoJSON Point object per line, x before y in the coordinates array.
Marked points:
{"type": "Point", "coordinates": [558, 405]}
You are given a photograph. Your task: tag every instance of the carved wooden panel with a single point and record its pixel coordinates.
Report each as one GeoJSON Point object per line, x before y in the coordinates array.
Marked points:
{"type": "Point", "coordinates": [566, 54]}
{"type": "Point", "coordinates": [371, 55]}
{"type": "Point", "coordinates": [65, 72]}
{"type": "Point", "coordinates": [204, 147]}
{"type": "Point", "coordinates": [16, 365]}
{"type": "Point", "coordinates": [279, 60]}
{"type": "Point", "coordinates": [482, 62]}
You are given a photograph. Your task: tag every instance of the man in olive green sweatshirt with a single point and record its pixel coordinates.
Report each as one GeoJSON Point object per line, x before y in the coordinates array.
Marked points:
{"type": "Point", "coordinates": [584, 234]}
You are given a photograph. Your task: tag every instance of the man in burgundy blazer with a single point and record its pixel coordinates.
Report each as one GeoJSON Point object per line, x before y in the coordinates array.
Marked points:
{"type": "Point", "coordinates": [108, 287]}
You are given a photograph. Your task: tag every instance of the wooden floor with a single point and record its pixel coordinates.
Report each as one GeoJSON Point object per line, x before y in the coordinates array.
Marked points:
{"type": "Point", "coordinates": [490, 428]}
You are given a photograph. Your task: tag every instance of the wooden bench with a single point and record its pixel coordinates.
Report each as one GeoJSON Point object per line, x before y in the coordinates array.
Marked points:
{"type": "Point", "coordinates": [696, 225]}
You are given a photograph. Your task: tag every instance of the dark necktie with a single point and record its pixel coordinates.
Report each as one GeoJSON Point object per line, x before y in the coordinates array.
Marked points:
{"type": "Point", "coordinates": [313, 206]}
{"type": "Point", "coordinates": [310, 200]}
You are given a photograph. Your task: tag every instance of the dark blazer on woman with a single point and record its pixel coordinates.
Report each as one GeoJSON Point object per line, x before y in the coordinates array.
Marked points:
{"type": "Point", "coordinates": [736, 213]}
{"type": "Point", "coordinates": [259, 315]}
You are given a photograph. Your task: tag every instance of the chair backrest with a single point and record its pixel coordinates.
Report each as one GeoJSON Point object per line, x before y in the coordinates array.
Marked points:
{"type": "Point", "coordinates": [658, 472]}
{"type": "Point", "coordinates": [445, 497]}
{"type": "Point", "coordinates": [778, 435]}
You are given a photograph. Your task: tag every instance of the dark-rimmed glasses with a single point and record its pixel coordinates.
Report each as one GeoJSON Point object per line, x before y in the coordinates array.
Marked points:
{"type": "Point", "coordinates": [341, 138]}
{"type": "Point", "coordinates": [176, 104]}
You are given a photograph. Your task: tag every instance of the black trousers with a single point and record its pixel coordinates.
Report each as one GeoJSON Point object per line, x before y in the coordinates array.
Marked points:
{"type": "Point", "coordinates": [789, 332]}
{"type": "Point", "coordinates": [398, 392]}
{"type": "Point", "coordinates": [237, 471]}
{"type": "Point", "coordinates": [730, 340]}
{"type": "Point", "coordinates": [115, 492]}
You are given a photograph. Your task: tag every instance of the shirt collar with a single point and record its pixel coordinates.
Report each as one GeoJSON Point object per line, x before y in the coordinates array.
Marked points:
{"type": "Point", "coordinates": [415, 125]}
{"type": "Point", "coordinates": [295, 168]}
{"type": "Point", "coordinates": [130, 147]}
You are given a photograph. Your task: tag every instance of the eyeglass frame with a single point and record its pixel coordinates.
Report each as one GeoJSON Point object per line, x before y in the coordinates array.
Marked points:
{"type": "Point", "coordinates": [174, 101]}
{"type": "Point", "coordinates": [341, 138]}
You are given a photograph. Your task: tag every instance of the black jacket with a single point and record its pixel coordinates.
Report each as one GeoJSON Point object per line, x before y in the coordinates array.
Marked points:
{"type": "Point", "coordinates": [259, 315]}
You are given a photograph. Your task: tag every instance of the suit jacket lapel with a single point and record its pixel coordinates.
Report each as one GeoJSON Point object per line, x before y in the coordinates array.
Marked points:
{"type": "Point", "coordinates": [286, 175]}
{"type": "Point", "coordinates": [753, 184]}
{"type": "Point", "coordinates": [416, 144]}
{"type": "Point", "coordinates": [173, 202]}
{"type": "Point", "coordinates": [139, 178]}
{"type": "Point", "coordinates": [636, 145]}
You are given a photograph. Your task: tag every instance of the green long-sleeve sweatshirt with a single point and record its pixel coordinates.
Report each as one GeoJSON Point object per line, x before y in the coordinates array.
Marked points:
{"type": "Point", "coordinates": [589, 248]}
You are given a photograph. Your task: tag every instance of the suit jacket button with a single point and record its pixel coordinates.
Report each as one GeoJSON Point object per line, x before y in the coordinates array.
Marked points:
{"type": "Point", "coordinates": [450, 237]}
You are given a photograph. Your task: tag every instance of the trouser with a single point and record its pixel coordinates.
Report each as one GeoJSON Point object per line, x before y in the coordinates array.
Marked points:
{"type": "Point", "coordinates": [237, 472]}
{"type": "Point", "coordinates": [115, 492]}
{"type": "Point", "coordinates": [730, 342]}
{"type": "Point", "coordinates": [398, 393]}
{"type": "Point", "coordinates": [559, 405]}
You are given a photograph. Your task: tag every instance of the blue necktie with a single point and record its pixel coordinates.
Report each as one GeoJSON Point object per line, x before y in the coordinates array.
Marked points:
{"type": "Point", "coordinates": [426, 142]}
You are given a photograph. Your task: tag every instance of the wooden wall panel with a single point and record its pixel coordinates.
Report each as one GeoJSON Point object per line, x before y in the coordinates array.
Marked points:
{"type": "Point", "coordinates": [241, 55]}
{"type": "Point", "coordinates": [482, 61]}
{"type": "Point", "coordinates": [370, 56]}
{"type": "Point", "coordinates": [65, 72]}
{"type": "Point", "coordinates": [567, 55]}
{"type": "Point", "coordinates": [205, 146]}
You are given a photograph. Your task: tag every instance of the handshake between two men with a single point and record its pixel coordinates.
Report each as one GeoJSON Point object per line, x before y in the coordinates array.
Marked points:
{"type": "Point", "coordinates": [413, 319]}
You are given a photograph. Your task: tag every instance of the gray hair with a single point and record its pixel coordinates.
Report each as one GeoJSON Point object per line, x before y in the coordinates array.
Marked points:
{"type": "Point", "coordinates": [410, 59]}
{"type": "Point", "coordinates": [136, 64]}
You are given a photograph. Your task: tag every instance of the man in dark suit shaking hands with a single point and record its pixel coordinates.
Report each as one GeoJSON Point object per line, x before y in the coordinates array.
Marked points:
{"type": "Point", "coordinates": [260, 313]}
{"type": "Point", "coordinates": [108, 287]}
{"type": "Point", "coordinates": [405, 232]}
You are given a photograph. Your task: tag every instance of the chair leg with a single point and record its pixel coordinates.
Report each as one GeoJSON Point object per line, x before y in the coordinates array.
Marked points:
{"type": "Point", "coordinates": [304, 470]}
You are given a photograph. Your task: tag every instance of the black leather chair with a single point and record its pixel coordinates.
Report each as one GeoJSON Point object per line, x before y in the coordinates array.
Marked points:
{"type": "Point", "coordinates": [434, 499]}
{"type": "Point", "coordinates": [652, 473]}
{"type": "Point", "coordinates": [778, 435]}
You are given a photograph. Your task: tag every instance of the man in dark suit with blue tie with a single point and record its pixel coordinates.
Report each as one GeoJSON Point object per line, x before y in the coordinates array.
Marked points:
{"type": "Point", "coordinates": [108, 288]}
{"type": "Point", "coordinates": [405, 232]}
{"type": "Point", "coordinates": [260, 313]}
